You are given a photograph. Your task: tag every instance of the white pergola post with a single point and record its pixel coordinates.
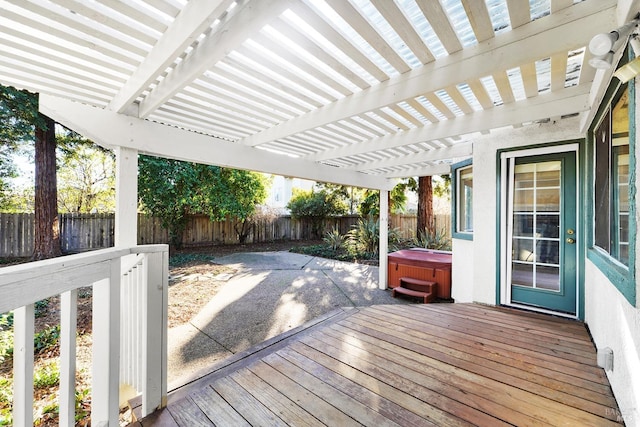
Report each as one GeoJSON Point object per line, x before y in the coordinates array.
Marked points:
{"type": "Point", "coordinates": [126, 226]}
{"type": "Point", "coordinates": [384, 238]}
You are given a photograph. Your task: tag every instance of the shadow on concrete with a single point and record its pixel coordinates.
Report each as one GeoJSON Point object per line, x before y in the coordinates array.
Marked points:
{"type": "Point", "coordinates": [271, 293]}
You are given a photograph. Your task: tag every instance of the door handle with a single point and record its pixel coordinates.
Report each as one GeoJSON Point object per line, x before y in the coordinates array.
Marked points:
{"type": "Point", "coordinates": [570, 240]}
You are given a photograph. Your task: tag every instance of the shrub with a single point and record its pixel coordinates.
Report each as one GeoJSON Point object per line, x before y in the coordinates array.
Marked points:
{"type": "Point", "coordinates": [364, 237]}
{"type": "Point", "coordinates": [334, 239]}
{"type": "Point", "coordinates": [437, 240]}
{"type": "Point", "coordinates": [316, 206]}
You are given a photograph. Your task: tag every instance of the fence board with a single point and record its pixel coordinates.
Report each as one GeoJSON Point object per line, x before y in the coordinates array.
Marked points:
{"type": "Point", "coordinates": [84, 232]}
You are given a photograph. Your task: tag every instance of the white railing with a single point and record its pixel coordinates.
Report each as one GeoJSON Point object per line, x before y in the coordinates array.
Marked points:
{"type": "Point", "coordinates": [129, 327]}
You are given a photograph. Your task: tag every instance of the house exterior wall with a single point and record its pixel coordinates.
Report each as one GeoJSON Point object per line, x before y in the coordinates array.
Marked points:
{"type": "Point", "coordinates": [483, 250]}
{"type": "Point", "coordinates": [614, 323]}
{"type": "Point", "coordinates": [462, 272]}
{"type": "Point", "coordinates": [612, 320]}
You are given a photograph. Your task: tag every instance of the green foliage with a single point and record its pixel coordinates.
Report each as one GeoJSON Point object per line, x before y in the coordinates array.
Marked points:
{"type": "Point", "coordinates": [86, 175]}
{"type": "Point", "coordinates": [6, 390]}
{"type": "Point", "coordinates": [42, 341]}
{"type": "Point", "coordinates": [370, 205]}
{"type": "Point", "coordinates": [46, 339]}
{"type": "Point", "coordinates": [316, 206]}
{"type": "Point", "coordinates": [46, 376]}
{"type": "Point", "coordinates": [364, 237]}
{"type": "Point", "coordinates": [436, 240]}
{"type": "Point", "coordinates": [82, 404]}
{"type": "Point", "coordinates": [18, 199]}
{"type": "Point", "coordinates": [352, 196]}
{"type": "Point", "coordinates": [172, 189]}
{"type": "Point", "coordinates": [6, 398]}
{"type": "Point", "coordinates": [442, 186]}
{"type": "Point", "coordinates": [177, 260]}
{"type": "Point", "coordinates": [363, 240]}
{"type": "Point", "coordinates": [41, 307]}
{"type": "Point", "coordinates": [19, 115]}
{"type": "Point", "coordinates": [6, 336]}
{"type": "Point", "coordinates": [18, 118]}
{"type": "Point", "coordinates": [334, 239]}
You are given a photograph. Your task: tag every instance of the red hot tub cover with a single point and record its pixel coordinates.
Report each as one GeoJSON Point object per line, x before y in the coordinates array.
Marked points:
{"type": "Point", "coordinates": [438, 260]}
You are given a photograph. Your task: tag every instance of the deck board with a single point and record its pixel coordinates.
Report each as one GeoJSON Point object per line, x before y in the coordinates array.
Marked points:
{"type": "Point", "coordinates": [422, 365]}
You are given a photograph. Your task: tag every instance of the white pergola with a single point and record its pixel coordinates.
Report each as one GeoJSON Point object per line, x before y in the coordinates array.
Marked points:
{"type": "Point", "coordinates": [358, 92]}
{"type": "Point", "coordinates": [355, 92]}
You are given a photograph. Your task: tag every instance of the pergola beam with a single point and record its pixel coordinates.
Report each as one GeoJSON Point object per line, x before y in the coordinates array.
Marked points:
{"type": "Point", "coordinates": [568, 29]}
{"type": "Point", "coordinates": [556, 104]}
{"type": "Point", "coordinates": [193, 20]}
{"type": "Point", "coordinates": [245, 20]}
{"type": "Point", "coordinates": [111, 129]}
{"type": "Point", "coordinates": [458, 150]}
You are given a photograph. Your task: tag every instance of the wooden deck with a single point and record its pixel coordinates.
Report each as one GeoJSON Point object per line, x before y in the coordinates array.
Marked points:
{"type": "Point", "coordinates": [422, 365]}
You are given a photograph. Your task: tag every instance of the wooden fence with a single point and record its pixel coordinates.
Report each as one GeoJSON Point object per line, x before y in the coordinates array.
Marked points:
{"type": "Point", "coordinates": [84, 232]}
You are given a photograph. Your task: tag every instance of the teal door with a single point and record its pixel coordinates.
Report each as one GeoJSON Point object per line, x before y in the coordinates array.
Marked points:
{"type": "Point", "coordinates": [541, 237]}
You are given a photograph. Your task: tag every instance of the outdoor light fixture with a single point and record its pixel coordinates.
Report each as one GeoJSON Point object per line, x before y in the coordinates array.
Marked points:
{"type": "Point", "coordinates": [603, 46]}
{"type": "Point", "coordinates": [602, 62]}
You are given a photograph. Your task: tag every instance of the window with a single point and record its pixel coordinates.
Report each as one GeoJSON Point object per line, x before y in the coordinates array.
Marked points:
{"type": "Point", "coordinates": [611, 180]}
{"type": "Point", "coordinates": [463, 200]}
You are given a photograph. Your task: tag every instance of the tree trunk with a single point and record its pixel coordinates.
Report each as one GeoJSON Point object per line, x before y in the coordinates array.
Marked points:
{"type": "Point", "coordinates": [47, 229]}
{"type": "Point", "coordinates": [426, 220]}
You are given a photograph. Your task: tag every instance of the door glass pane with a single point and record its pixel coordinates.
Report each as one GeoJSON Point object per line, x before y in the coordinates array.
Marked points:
{"type": "Point", "coordinates": [536, 225]}
{"type": "Point", "coordinates": [523, 225]}
{"type": "Point", "coordinates": [547, 251]}
{"type": "Point", "coordinates": [548, 225]}
{"type": "Point", "coordinates": [522, 274]}
{"type": "Point", "coordinates": [523, 201]}
{"type": "Point", "coordinates": [548, 199]}
{"type": "Point", "coordinates": [523, 250]}
{"type": "Point", "coordinates": [548, 278]}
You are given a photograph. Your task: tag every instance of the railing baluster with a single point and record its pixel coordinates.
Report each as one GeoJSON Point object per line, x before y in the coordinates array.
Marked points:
{"type": "Point", "coordinates": [141, 281]}
{"type": "Point", "coordinates": [131, 282]}
{"type": "Point", "coordinates": [124, 331]}
{"type": "Point", "coordinates": [23, 329]}
{"type": "Point", "coordinates": [68, 327]}
{"type": "Point", "coordinates": [154, 389]}
{"type": "Point", "coordinates": [106, 348]}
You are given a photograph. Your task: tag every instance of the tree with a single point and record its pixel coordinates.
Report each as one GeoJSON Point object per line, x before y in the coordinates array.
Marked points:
{"type": "Point", "coordinates": [172, 190]}
{"type": "Point", "coordinates": [426, 221]}
{"type": "Point", "coordinates": [23, 122]}
{"type": "Point", "coordinates": [353, 196]}
{"type": "Point", "coordinates": [426, 189]}
{"type": "Point", "coordinates": [397, 198]}
{"type": "Point", "coordinates": [316, 206]}
{"type": "Point", "coordinates": [86, 176]}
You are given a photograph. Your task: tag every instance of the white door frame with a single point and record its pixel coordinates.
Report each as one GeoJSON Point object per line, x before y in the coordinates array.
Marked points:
{"type": "Point", "coordinates": [507, 159]}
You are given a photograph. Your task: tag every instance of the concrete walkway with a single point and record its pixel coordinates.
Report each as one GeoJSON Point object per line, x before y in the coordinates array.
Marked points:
{"type": "Point", "coordinates": [271, 293]}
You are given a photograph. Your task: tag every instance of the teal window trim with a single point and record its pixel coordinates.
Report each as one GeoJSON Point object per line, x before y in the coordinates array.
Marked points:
{"type": "Point", "coordinates": [454, 201]}
{"type": "Point", "coordinates": [621, 276]}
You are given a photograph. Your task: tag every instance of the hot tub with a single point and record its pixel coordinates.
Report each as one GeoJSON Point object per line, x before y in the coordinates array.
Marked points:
{"type": "Point", "coordinates": [424, 264]}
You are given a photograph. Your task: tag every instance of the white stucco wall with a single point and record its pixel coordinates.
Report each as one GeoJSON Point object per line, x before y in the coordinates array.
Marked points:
{"type": "Point", "coordinates": [462, 277]}
{"type": "Point", "coordinates": [485, 182]}
{"type": "Point", "coordinates": [614, 323]}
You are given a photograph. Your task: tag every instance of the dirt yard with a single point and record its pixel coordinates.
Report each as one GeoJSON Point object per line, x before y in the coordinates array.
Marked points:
{"type": "Point", "coordinates": [192, 283]}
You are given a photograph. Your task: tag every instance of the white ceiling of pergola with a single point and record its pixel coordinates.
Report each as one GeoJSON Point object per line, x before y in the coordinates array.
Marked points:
{"type": "Point", "coordinates": [383, 88]}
